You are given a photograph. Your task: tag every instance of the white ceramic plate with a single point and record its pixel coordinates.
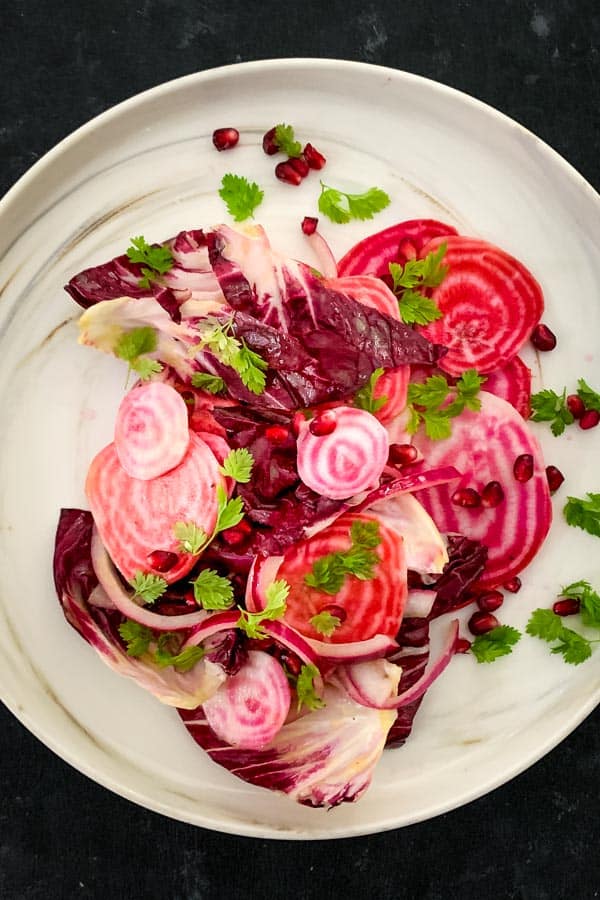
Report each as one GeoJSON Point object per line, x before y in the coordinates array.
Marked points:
{"type": "Point", "coordinates": [148, 167]}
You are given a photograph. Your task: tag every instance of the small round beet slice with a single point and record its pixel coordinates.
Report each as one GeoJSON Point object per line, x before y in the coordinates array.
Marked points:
{"type": "Point", "coordinates": [489, 302]}
{"type": "Point", "coordinates": [484, 446]}
{"type": "Point", "coordinates": [367, 608]}
{"type": "Point", "coordinates": [342, 452]}
{"type": "Point", "coordinates": [403, 241]}
{"type": "Point", "coordinates": [151, 430]}
{"type": "Point", "coordinates": [135, 518]}
{"type": "Point", "coordinates": [512, 383]}
{"type": "Point", "coordinates": [251, 706]}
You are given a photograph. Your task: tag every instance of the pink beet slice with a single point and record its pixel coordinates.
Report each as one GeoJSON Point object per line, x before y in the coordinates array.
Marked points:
{"type": "Point", "coordinates": [251, 706]}
{"type": "Point", "coordinates": [512, 383]}
{"type": "Point", "coordinates": [490, 304]}
{"type": "Point", "coordinates": [151, 430]}
{"type": "Point", "coordinates": [484, 446]}
{"type": "Point", "coordinates": [403, 241]}
{"type": "Point", "coordinates": [135, 517]}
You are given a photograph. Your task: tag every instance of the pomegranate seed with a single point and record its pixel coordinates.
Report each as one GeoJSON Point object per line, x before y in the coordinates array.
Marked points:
{"type": "Point", "coordinates": [463, 645]}
{"type": "Point", "coordinates": [322, 425]}
{"type": "Point", "coordinates": [490, 601]}
{"type": "Point", "coordinates": [286, 172]}
{"type": "Point", "coordinates": [309, 224]}
{"type": "Point", "coordinates": [492, 494]}
{"type": "Point", "coordinates": [523, 467]}
{"type": "Point", "coordinates": [542, 338]}
{"type": "Point", "coordinates": [554, 477]}
{"type": "Point", "coordinates": [575, 405]}
{"type": "Point", "coordinates": [312, 156]}
{"type": "Point", "coordinates": [162, 560]}
{"type": "Point", "coordinates": [467, 497]}
{"type": "Point", "coordinates": [277, 434]}
{"type": "Point", "coordinates": [402, 454]}
{"type": "Point", "coordinates": [513, 585]}
{"type": "Point", "coordinates": [334, 610]}
{"type": "Point", "coordinates": [567, 607]}
{"type": "Point", "coordinates": [589, 419]}
{"type": "Point", "coordinates": [482, 622]}
{"type": "Point", "coordinates": [225, 138]}
{"type": "Point", "coordinates": [299, 164]}
{"type": "Point", "coordinates": [269, 144]}
{"type": "Point", "coordinates": [297, 422]}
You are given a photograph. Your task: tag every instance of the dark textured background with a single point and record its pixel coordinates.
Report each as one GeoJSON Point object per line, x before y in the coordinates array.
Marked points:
{"type": "Point", "coordinates": [61, 836]}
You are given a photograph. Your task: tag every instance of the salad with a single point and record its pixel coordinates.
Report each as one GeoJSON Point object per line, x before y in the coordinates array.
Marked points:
{"type": "Point", "coordinates": [308, 469]}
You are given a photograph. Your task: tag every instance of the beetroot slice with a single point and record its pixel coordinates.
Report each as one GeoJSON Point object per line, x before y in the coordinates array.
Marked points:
{"type": "Point", "coordinates": [512, 383]}
{"type": "Point", "coordinates": [490, 304]}
{"type": "Point", "coordinates": [403, 241]}
{"type": "Point", "coordinates": [484, 446]}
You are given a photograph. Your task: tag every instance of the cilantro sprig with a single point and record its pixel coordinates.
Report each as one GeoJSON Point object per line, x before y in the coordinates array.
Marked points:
{"type": "Point", "coordinates": [305, 688]}
{"type": "Point", "coordinates": [428, 406]}
{"type": "Point", "coordinates": [156, 260]}
{"type": "Point", "coordinates": [591, 399]}
{"type": "Point", "coordinates": [241, 197]}
{"type": "Point", "coordinates": [495, 643]}
{"type": "Point", "coordinates": [325, 622]}
{"type": "Point", "coordinates": [164, 651]}
{"type": "Point", "coordinates": [238, 465]}
{"type": "Point", "coordinates": [132, 346]}
{"type": "Point", "coordinates": [250, 366]}
{"type": "Point", "coordinates": [286, 140]}
{"type": "Point", "coordinates": [147, 587]}
{"type": "Point", "coordinates": [589, 601]}
{"type": "Point", "coordinates": [365, 397]}
{"type": "Point", "coordinates": [276, 596]}
{"type": "Point", "coordinates": [213, 591]}
{"type": "Point", "coordinates": [409, 281]}
{"type": "Point", "coordinates": [546, 625]}
{"type": "Point", "coordinates": [205, 382]}
{"type": "Point", "coordinates": [192, 539]}
{"type": "Point", "coordinates": [342, 207]}
{"type": "Point", "coordinates": [329, 572]}
{"type": "Point", "coordinates": [584, 513]}
{"type": "Point", "coordinates": [548, 406]}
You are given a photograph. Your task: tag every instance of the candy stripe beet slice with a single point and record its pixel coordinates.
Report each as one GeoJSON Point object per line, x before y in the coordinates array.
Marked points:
{"type": "Point", "coordinates": [365, 608]}
{"type": "Point", "coordinates": [484, 446]}
{"type": "Point", "coordinates": [151, 430]}
{"type": "Point", "coordinates": [512, 383]}
{"type": "Point", "coordinates": [135, 518]}
{"type": "Point", "coordinates": [371, 291]}
{"type": "Point", "coordinates": [403, 241]}
{"type": "Point", "coordinates": [490, 304]}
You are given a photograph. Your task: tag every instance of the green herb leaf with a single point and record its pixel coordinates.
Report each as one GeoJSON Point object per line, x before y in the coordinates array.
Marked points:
{"type": "Point", "coordinates": [213, 591]}
{"type": "Point", "coordinates": [147, 587]}
{"type": "Point", "coordinates": [276, 595]}
{"type": "Point", "coordinates": [582, 513]}
{"type": "Point", "coordinates": [192, 539]}
{"type": "Point", "coordinates": [548, 406]}
{"type": "Point", "coordinates": [249, 365]}
{"type": "Point", "coordinates": [496, 643]}
{"type": "Point", "coordinates": [590, 398]}
{"type": "Point", "coordinates": [155, 259]}
{"type": "Point", "coordinates": [427, 403]}
{"type": "Point", "coordinates": [183, 660]}
{"type": "Point", "coordinates": [230, 512]}
{"type": "Point", "coordinates": [547, 626]}
{"type": "Point", "coordinates": [416, 309]}
{"type": "Point", "coordinates": [431, 394]}
{"type": "Point", "coordinates": [136, 636]}
{"type": "Point", "coordinates": [589, 600]}
{"type": "Point", "coordinates": [325, 623]}
{"type": "Point", "coordinates": [240, 195]}
{"type": "Point", "coordinates": [305, 688]}
{"type": "Point", "coordinates": [133, 343]}
{"type": "Point", "coordinates": [329, 572]}
{"type": "Point", "coordinates": [574, 648]}
{"type": "Point", "coordinates": [286, 140]}
{"type": "Point", "coordinates": [365, 396]}
{"type": "Point", "coordinates": [341, 207]}
{"type": "Point", "coordinates": [238, 465]}
{"type": "Point", "coordinates": [427, 272]}
{"type": "Point", "coordinates": [211, 383]}
{"type": "Point", "coordinates": [251, 368]}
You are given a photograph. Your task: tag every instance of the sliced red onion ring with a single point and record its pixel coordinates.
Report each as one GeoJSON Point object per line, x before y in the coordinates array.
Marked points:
{"type": "Point", "coordinates": [325, 258]}
{"type": "Point", "coordinates": [408, 484]}
{"type": "Point", "coordinates": [108, 578]}
{"type": "Point", "coordinates": [354, 651]}
{"type": "Point", "coordinates": [215, 622]}
{"type": "Point", "coordinates": [262, 573]}
{"type": "Point", "coordinates": [357, 680]}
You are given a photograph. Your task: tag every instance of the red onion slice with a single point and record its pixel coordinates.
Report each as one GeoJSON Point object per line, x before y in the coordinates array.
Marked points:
{"type": "Point", "coordinates": [322, 250]}
{"type": "Point", "coordinates": [263, 572]}
{"type": "Point", "coordinates": [354, 651]}
{"type": "Point", "coordinates": [212, 624]}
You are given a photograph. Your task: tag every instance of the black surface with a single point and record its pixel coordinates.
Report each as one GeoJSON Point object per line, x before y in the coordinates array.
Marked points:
{"type": "Point", "coordinates": [62, 836]}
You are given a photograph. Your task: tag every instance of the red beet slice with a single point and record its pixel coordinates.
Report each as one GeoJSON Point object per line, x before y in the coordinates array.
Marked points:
{"type": "Point", "coordinates": [490, 304]}
{"type": "Point", "coordinates": [403, 241]}
{"type": "Point", "coordinates": [512, 383]}
{"type": "Point", "coordinates": [484, 446]}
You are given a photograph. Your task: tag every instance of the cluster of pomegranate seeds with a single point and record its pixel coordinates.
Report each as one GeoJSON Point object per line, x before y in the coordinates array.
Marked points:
{"type": "Point", "coordinates": [554, 478]}
{"type": "Point", "coordinates": [490, 601]}
{"type": "Point", "coordinates": [294, 168]}
{"type": "Point", "coordinates": [542, 338]}
{"type": "Point", "coordinates": [482, 622]}
{"type": "Point", "coordinates": [402, 454]}
{"type": "Point", "coordinates": [587, 418]}
{"type": "Point", "coordinates": [225, 138]}
{"type": "Point", "coordinates": [523, 467]}
{"type": "Point", "coordinates": [567, 607]}
{"type": "Point", "coordinates": [162, 560]}
{"type": "Point", "coordinates": [513, 585]}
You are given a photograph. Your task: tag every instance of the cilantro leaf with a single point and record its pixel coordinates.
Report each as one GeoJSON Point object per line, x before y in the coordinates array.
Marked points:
{"type": "Point", "coordinates": [286, 140]}
{"type": "Point", "coordinates": [191, 537]}
{"type": "Point", "coordinates": [183, 660]}
{"type": "Point", "coordinates": [325, 622]}
{"type": "Point", "coordinates": [589, 600]}
{"type": "Point", "coordinates": [251, 368]}
{"type": "Point", "coordinates": [133, 343]}
{"type": "Point", "coordinates": [590, 398]}
{"type": "Point", "coordinates": [365, 534]}
{"type": "Point", "coordinates": [496, 643]}
{"type": "Point", "coordinates": [145, 367]}
{"type": "Point", "coordinates": [276, 595]}
{"type": "Point", "coordinates": [427, 403]}
{"type": "Point", "coordinates": [582, 513]}
{"type": "Point", "coordinates": [430, 394]}
{"type": "Point", "coordinates": [249, 365]}
{"type": "Point", "coordinates": [544, 624]}
{"type": "Point", "coordinates": [365, 396]}
{"type": "Point", "coordinates": [147, 587]}
{"type": "Point", "coordinates": [574, 648]}
{"type": "Point", "coordinates": [213, 591]}
{"type": "Point", "coordinates": [547, 626]}
{"type": "Point", "coordinates": [136, 636]}
{"type": "Point", "coordinates": [416, 309]}
{"type": "Point", "coordinates": [305, 688]}
{"type": "Point", "coordinates": [155, 260]}
{"type": "Point", "coordinates": [230, 512]}
{"type": "Point", "coordinates": [426, 272]}
{"type": "Point", "coordinates": [238, 465]}
{"type": "Point", "coordinates": [211, 383]}
{"type": "Point", "coordinates": [241, 196]}
{"type": "Point", "coordinates": [341, 207]}
{"type": "Point", "coordinates": [548, 406]}
{"type": "Point", "coordinates": [329, 572]}
{"type": "Point", "coordinates": [468, 386]}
